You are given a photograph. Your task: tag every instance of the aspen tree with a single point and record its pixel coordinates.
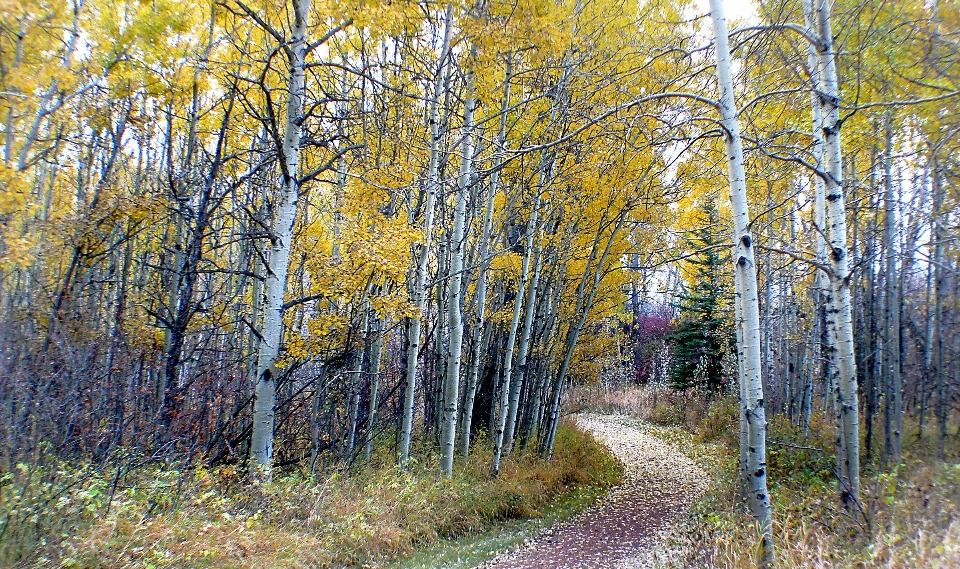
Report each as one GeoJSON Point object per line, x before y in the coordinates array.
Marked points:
{"type": "Point", "coordinates": [937, 359]}
{"type": "Point", "coordinates": [586, 294]}
{"type": "Point", "coordinates": [523, 348]}
{"type": "Point", "coordinates": [507, 405]}
{"type": "Point", "coordinates": [744, 424]}
{"type": "Point", "coordinates": [484, 255]}
{"type": "Point", "coordinates": [376, 357]}
{"type": "Point", "coordinates": [356, 375]}
{"type": "Point", "coordinates": [278, 262]}
{"type": "Point", "coordinates": [893, 418]}
{"type": "Point", "coordinates": [928, 342]}
{"type": "Point", "coordinates": [418, 293]}
{"type": "Point", "coordinates": [819, 207]}
{"type": "Point", "coordinates": [451, 384]}
{"type": "Point", "coordinates": [836, 229]}
{"type": "Point", "coordinates": [746, 275]}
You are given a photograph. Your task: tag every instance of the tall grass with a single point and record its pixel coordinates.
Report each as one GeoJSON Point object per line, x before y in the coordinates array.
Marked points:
{"type": "Point", "coordinates": [164, 517]}
{"type": "Point", "coordinates": [909, 515]}
{"type": "Point", "coordinates": [655, 403]}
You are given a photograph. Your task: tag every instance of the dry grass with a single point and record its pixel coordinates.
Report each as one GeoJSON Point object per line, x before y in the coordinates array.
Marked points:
{"type": "Point", "coordinates": [165, 518]}
{"type": "Point", "coordinates": [656, 404]}
{"type": "Point", "coordinates": [638, 402]}
{"type": "Point", "coordinates": [910, 517]}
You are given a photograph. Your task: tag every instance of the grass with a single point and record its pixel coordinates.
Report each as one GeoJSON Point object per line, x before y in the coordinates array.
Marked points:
{"type": "Point", "coordinates": [911, 512]}
{"type": "Point", "coordinates": [164, 517]}
{"type": "Point", "coordinates": [470, 551]}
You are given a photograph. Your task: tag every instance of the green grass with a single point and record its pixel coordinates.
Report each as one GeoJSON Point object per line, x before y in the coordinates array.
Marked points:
{"type": "Point", "coordinates": [470, 551]}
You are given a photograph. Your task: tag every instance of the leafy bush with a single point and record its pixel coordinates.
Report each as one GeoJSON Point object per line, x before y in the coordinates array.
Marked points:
{"type": "Point", "coordinates": [669, 413]}
{"type": "Point", "coordinates": [721, 421]}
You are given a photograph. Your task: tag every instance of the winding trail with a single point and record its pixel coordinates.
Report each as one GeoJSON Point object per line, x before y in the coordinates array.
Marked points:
{"type": "Point", "coordinates": [631, 527]}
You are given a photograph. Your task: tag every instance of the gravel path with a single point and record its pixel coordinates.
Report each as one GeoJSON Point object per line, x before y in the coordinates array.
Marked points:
{"type": "Point", "coordinates": [632, 527]}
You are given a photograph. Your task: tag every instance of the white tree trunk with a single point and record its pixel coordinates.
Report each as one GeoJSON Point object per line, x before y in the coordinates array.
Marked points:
{"type": "Point", "coordinates": [418, 293]}
{"type": "Point", "coordinates": [937, 359]}
{"type": "Point", "coordinates": [746, 272]}
{"type": "Point", "coordinates": [376, 356]}
{"type": "Point", "coordinates": [927, 380]}
{"type": "Point", "coordinates": [506, 394]}
{"type": "Point", "coordinates": [584, 303]}
{"type": "Point", "coordinates": [451, 384]}
{"type": "Point", "coordinates": [523, 350]}
{"type": "Point", "coordinates": [742, 386]}
{"type": "Point", "coordinates": [821, 278]}
{"type": "Point", "coordinates": [894, 412]}
{"type": "Point", "coordinates": [356, 378]}
{"type": "Point", "coordinates": [481, 291]}
{"type": "Point", "coordinates": [848, 405]}
{"type": "Point", "coordinates": [261, 445]}
{"type": "Point", "coordinates": [541, 380]}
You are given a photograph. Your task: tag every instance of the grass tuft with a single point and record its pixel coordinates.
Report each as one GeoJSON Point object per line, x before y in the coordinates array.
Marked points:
{"type": "Point", "coordinates": [910, 513]}
{"type": "Point", "coordinates": [164, 517]}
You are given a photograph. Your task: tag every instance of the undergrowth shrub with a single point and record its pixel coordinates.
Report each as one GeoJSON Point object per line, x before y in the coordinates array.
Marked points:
{"type": "Point", "coordinates": [160, 516]}
{"type": "Point", "coordinates": [634, 401]}
{"type": "Point", "coordinates": [719, 421]}
{"type": "Point", "coordinates": [655, 403]}
{"type": "Point", "coordinates": [668, 413]}
{"type": "Point", "coordinates": [681, 409]}
{"type": "Point", "coordinates": [909, 515]}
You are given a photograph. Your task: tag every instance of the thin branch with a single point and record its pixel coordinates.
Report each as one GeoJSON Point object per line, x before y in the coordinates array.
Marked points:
{"type": "Point", "coordinates": [797, 256]}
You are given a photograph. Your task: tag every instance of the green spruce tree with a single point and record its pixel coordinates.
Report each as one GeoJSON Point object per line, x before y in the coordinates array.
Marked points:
{"type": "Point", "coordinates": [704, 331]}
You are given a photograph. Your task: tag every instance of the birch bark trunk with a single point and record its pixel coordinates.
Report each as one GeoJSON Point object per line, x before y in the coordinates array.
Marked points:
{"type": "Point", "coordinates": [451, 384]}
{"type": "Point", "coordinates": [418, 295]}
{"type": "Point", "coordinates": [746, 272]}
{"type": "Point", "coordinates": [261, 445]}
{"type": "Point", "coordinates": [376, 356]}
{"type": "Point", "coordinates": [506, 399]}
{"type": "Point", "coordinates": [821, 296]}
{"type": "Point", "coordinates": [583, 305]}
{"type": "Point", "coordinates": [847, 403]}
{"type": "Point", "coordinates": [926, 379]}
{"type": "Point", "coordinates": [356, 377]}
{"type": "Point", "coordinates": [481, 292]}
{"type": "Point", "coordinates": [937, 332]}
{"type": "Point", "coordinates": [548, 333]}
{"type": "Point", "coordinates": [523, 349]}
{"type": "Point", "coordinates": [894, 411]}
{"type": "Point", "coordinates": [742, 388]}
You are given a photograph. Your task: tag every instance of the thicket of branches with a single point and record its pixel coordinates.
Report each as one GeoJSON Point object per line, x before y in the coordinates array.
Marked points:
{"type": "Point", "coordinates": [288, 232]}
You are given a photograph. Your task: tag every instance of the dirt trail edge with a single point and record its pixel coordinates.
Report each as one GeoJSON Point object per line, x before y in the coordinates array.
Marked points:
{"type": "Point", "coordinates": [631, 527]}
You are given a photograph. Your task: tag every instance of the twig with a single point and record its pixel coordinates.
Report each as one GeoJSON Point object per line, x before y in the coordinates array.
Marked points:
{"type": "Point", "coordinates": [791, 445]}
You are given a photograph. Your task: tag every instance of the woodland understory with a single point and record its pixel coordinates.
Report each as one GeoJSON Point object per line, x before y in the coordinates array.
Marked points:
{"type": "Point", "coordinates": [909, 516]}
{"type": "Point", "coordinates": [280, 276]}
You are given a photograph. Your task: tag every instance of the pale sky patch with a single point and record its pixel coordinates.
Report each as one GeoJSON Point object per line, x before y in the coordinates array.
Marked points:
{"type": "Point", "coordinates": [735, 9]}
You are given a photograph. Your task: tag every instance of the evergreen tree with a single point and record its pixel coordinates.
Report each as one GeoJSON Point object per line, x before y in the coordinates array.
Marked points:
{"type": "Point", "coordinates": [704, 332]}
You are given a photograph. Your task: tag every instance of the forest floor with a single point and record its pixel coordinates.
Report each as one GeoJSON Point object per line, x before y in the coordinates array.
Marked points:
{"type": "Point", "coordinates": [910, 516]}
{"type": "Point", "coordinates": [161, 515]}
{"type": "Point", "coordinates": [636, 525]}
